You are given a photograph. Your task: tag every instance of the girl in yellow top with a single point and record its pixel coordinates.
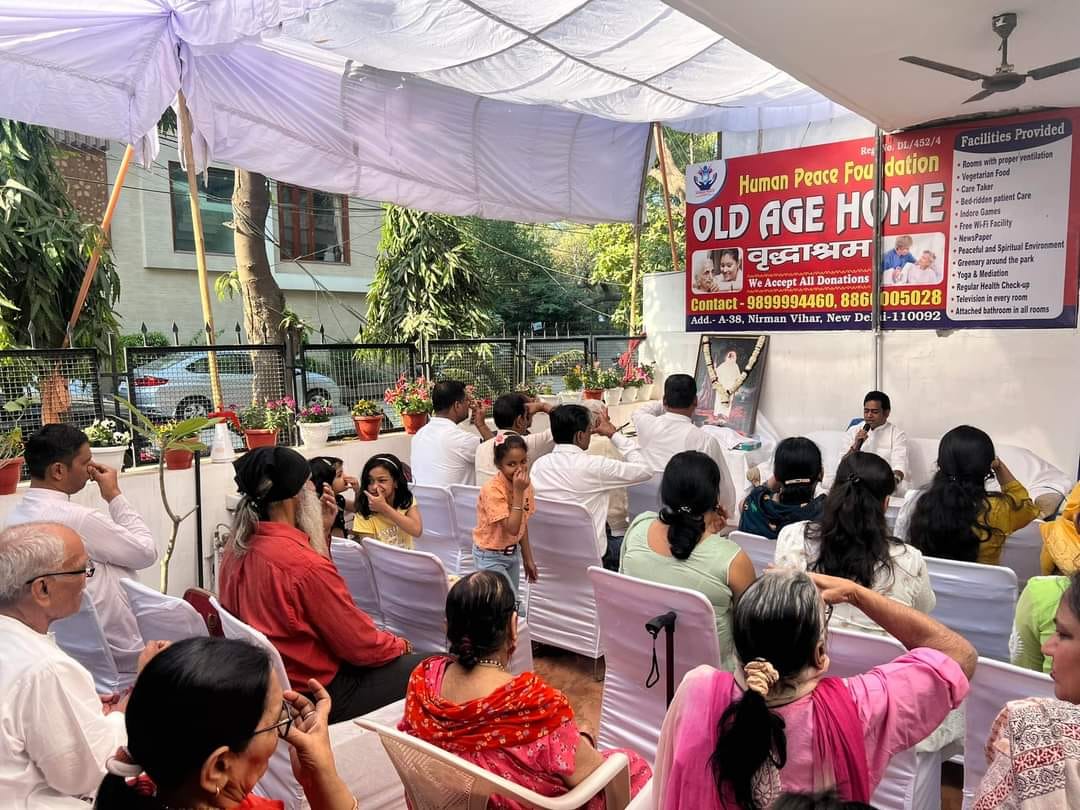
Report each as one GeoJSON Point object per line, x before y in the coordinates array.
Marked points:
{"type": "Point", "coordinates": [956, 518]}
{"type": "Point", "coordinates": [1061, 538]}
{"type": "Point", "coordinates": [501, 536]}
{"type": "Point", "coordinates": [385, 509]}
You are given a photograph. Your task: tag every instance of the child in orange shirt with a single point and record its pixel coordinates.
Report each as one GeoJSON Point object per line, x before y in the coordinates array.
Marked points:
{"type": "Point", "coordinates": [501, 536]}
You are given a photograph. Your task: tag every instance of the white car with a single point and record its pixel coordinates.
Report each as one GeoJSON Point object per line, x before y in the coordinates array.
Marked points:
{"type": "Point", "coordinates": [177, 385]}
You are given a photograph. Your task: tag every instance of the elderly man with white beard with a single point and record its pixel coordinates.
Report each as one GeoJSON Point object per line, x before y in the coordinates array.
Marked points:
{"type": "Point", "coordinates": [277, 576]}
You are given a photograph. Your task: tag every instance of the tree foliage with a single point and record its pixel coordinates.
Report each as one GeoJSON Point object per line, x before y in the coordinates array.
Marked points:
{"type": "Point", "coordinates": [45, 248]}
{"type": "Point", "coordinates": [427, 281]}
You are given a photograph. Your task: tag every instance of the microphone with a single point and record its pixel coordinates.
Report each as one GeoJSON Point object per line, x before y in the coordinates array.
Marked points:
{"type": "Point", "coordinates": [859, 442]}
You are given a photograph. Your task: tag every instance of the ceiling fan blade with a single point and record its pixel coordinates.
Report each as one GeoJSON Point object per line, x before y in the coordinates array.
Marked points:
{"type": "Point", "coordinates": [952, 70]}
{"type": "Point", "coordinates": [1054, 69]}
{"type": "Point", "coordinates": [980, 95]}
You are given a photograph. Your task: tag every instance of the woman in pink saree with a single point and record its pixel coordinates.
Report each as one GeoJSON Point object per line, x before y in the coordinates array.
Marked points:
{"type": "Point", "coordinates": [780, 724]}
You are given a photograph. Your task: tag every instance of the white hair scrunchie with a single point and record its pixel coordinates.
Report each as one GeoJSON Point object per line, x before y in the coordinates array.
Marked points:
{"type": "Point", "coordinates": [761, 676]}
{"type": "Point", "coordinates": [121, 764]}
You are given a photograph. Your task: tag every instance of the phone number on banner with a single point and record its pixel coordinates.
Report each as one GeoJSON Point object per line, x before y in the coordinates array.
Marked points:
{"type": "Point", "coordinates": [852, 300]}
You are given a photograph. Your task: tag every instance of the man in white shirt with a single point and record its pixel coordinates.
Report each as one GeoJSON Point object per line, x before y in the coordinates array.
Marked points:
{"type": "Point", "coordinates": [513, 414]}
{"type": "Point", "coordinates": [879, 436]}
{"type": "Point", "coordinates": [571, 475]}
{"type": "Point", "coordinates": [55, 737]}
{"type": "Point", "coordinates": [444, 453]}
{"type": "Point", "coordinates": [60, 464]}
{"type": "Point", "coordinates": [666, 428]}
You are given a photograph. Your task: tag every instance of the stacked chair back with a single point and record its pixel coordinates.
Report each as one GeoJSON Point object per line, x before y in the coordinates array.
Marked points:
{"type": "Point", "coordinates": [412, 589]}
{"type": "Point", "coordinates": [440, 535]}
{"type": "Point", "coordinates": [995, 684]}
{"type": "Point", "coordinates": [977, 601]}
{"type": "Point", "coordinates": [435, 779]}
{"type": "Point", "coordinates": [630, 712]}
{"type": "Point", "coordinates": [913, 780]}
{"type": "Point", "coordinates": [760, 550]}
{"type": "Point", "coordinates": [354, 566]}
{"type": "Point", "coordinates": [463, 497]}
{"type": "Point", "coordinates": [643, 497]}
{"type": "Point", "coordinates": [162, 617]}
{"type": "Point", "coordinates": [561, 604]}
{"type": "Point", "coordinates": [80, 636]}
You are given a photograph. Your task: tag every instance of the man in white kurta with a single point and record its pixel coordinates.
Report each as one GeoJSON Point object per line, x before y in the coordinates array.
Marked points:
{"type": "Point", "coordinates": [119, 543]}
{"type": "Point", "coordinates": [513, 414]}
{"type": "Point", "coordinates": [666, 428]}
{"type": "Point", "coordinates": [571, 475]}
{"type": "Point", "coordinates": [877, 435]}
{"type": "Point", "coordinates": [442, 452]}
{"type": "Point", "coordinates": [54, 736]}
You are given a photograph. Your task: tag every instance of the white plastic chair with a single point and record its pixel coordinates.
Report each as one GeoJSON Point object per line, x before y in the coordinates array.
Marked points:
{"type": "Point", "coordinates": [80, 636]}
{"type": "Point", "coordinates": [440, 536]}
{"type": "Point", "coordinates": [760, 550]}
{"type": "Point", "coordinates": [354, 566]}
{"type": "Point", "coordinates": [977, 601]}
{"type": "Point", "coordinates": [412, 593]}
{"type": "Point", "coordinates": [435, 779]}
{"type": "Point", "coordinates": [631, 714]}
{"type": "Point", "coordinates": [463, 499]}
{"type": "Point", "coordinates": [1021, 553]}
{"type": "Point", "coordinates": [995, 684]}
{"type": "Point", "coordinates": [913, 779]}
{"type": "Point", "coordinates": [561, 603]}
{"type": "Point", "coordinates": [643, 497]}
{"type": "Point", "coordinates": [161, 617]}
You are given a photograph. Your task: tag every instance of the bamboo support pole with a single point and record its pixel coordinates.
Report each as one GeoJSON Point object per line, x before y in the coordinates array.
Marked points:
{"type": "Point", "coordinates": [667, 194]}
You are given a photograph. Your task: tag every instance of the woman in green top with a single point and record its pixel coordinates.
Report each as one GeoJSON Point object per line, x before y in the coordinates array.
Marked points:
{"type": "Point", "coordinates": [1034, 622]}
{"type": "Point", "coordinates": [682, 546]}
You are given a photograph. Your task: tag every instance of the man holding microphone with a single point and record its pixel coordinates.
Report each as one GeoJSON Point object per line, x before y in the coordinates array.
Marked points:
{"type": "Point", "coordinates": [879, 436]}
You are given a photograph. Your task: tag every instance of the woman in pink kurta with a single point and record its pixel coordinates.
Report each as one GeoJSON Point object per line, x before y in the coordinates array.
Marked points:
{"type": "Point", "coordinates": [517, 727]}
{"type": "Point", "coordinates": [788, 727]}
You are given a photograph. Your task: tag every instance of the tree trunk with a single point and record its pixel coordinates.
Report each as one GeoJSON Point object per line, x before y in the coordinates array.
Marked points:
{"type": "Point", "coordinates": [263, 301]}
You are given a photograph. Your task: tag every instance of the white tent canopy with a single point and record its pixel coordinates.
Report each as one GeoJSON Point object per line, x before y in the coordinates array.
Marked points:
{"type": "Point", "coordinates": [850, 50]}
{"type": "Point", "coordinates": [499, 108]}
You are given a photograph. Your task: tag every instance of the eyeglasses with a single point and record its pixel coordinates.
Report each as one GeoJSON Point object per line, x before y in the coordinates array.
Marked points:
{"type": "Point", "coordinates": [87, 572]}
{"type": "Point", "coordinates": [283, 724]}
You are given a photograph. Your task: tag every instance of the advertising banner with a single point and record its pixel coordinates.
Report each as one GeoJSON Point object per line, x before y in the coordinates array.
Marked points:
{"type": "Point", "coordinates": [981, 225]}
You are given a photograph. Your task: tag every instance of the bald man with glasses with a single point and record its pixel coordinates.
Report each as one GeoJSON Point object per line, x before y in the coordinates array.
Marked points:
{"type": "Point", "coordinates": [56, 737]}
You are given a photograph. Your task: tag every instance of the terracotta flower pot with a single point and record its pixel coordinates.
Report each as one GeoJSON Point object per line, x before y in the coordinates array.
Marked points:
{"type": "Point", "coordinates": [414, 421]}
{"type": "Point", "coordinates": [9, 475]}
{"type": "Point", "coordinates": [260, 438]}
{"type": "Point", "coordinates": [594, 393]}
{"type": "Point", "coordinates": [178, 459]}
{"type": "Point", "coordinates": [367, 427]}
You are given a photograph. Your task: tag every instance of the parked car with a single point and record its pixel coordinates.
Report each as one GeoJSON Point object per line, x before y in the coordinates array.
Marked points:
{"type": "Point", "coordinates": [177, 386]}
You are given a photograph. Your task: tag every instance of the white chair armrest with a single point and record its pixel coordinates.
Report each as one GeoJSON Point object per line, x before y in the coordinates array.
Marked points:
{"type": "Point", "coordinates": [616, 767]}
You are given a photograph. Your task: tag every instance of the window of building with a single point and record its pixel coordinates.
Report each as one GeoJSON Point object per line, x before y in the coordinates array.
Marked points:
{"type": "Point", "coordinates": [312, 225]}
{"type": "Point", "coordinates": [215, 203]}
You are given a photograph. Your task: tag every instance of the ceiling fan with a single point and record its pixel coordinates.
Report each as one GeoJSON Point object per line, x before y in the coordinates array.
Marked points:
{"type": "Point", "coordinates": [1004, 77]}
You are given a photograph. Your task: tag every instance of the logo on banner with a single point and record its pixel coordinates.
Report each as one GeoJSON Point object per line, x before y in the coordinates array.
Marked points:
{"type": "Point", "coordinates": [705, 181]}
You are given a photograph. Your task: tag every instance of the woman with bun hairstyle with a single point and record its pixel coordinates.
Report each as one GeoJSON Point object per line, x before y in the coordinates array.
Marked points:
{"type": "Point", "coordinates": [682, 546]}
{"type": "Point", "coordinates": [515, 726]}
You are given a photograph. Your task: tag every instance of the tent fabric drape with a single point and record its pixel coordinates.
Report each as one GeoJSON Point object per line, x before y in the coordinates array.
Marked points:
{"type": "Point", "coordinates": [497, 108]}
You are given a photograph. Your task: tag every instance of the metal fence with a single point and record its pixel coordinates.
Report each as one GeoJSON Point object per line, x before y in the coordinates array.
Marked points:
{"type": "Point", "coordinates": [170, 383]}
{"type": "Point", "coordinates": [490, 365]}
{"type": "Point", "coordinates": [615, 350]}
{"type": "Point", "coordinates": [546, 360]}
{"type": "Point", "coordinates": [346, 372]}
{"type": "Point", "coordinates": [56, 385]}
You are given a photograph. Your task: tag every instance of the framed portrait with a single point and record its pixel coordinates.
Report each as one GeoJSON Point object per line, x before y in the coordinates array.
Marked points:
{"type": "Point", "coordinates": [730, 372]}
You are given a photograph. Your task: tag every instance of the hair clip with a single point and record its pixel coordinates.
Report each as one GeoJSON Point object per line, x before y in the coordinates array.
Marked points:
{"type": "Point", "coordinates": [853, 479]}
{"type": "Point", "coordinates": [499, 438]}
{"type": "Point", "coordinates": [686, 510]}
{"type": "Point", "coordinates": [797, 481]}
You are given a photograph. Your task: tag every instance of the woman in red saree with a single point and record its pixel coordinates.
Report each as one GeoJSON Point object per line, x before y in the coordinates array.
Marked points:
{"type": "Point", "coordinates": [515, 726]}
{"type": "Point", "coordinates": [779, 724]}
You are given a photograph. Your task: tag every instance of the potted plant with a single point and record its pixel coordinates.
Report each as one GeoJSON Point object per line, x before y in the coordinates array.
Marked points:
{"type": "Point", "coordinates": [108, 445]}
{"type": "Point", "coordinates": [411, 399]}
{"type": "Point", "coordinates": [176, 456]}
{"type": "Point", "coordinates": [367, 418]}
{"type": "Point", "coordinates": [648, 390]}
{"type": "Point", "coordinates": [592, 381]}
{"type": "Point", "coordinates": [171, 437]}
{"type": "Point", "coordinates": [611, 382]}
{"type": "Point", "coordinates": [11, 448]}
{"type": "Point", "coordinates": [261, 423]}
{"type": "Point", "coordinates": [314, 421]}
{"type": "Point", "coordinates": [634, 385]}
{"type": "Point", "coordinates": [572, 386]}
{"type": "Point", "coordinates": [547, 395]}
